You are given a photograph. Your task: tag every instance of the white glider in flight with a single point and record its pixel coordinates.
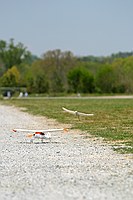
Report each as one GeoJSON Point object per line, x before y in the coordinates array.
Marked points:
{"type": "Point", "coordinates": [76, 113]}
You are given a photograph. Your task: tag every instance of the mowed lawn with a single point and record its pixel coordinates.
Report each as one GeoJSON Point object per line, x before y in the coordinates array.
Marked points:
{"type": "Point", "coordinates": [112, 120]}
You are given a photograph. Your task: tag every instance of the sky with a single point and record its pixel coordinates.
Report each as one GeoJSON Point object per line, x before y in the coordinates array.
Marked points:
{"type": "Point", "coordinates": [84, 27]}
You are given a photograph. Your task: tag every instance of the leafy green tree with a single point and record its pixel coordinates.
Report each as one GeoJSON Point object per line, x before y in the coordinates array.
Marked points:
{"type": "Point", "coordinates": [105, 79]}
{"type": "Point", "coordinates": [128, 71]}
{"type": "Point", "coordinates": [123, 70]}
{"type": "Point", "coordinates": [36, 78]}
{"type": "Point", "coordinates": [56, 83]}
{"type": "Point", "coordinates": [80, 80]}
{"type": "Point", "coordinates": [11, 78]}
{"type": "Point", "coordinates": [23, 68]}
{"type": "Point", "coordinates": [40, 84]}
{"type": "Point", "coordinates": [12, 54]}
{"type": "Point", "coordinates": [2, 68]}
{"type": "Point", "coordinates": [56, 65]}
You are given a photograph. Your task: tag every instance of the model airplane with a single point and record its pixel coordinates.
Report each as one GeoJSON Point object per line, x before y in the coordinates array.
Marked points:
{"type": "Point", "coordinates": [76, 113]}
{"type": "Point", "coordinates": [40, 134]}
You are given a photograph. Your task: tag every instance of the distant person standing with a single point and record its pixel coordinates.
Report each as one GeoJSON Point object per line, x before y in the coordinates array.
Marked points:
{"type": "Point", "coordinates": [26, 94]}
{"type": "Point", "coordinates": [20, 95]}
{"type": "Point", "coordinates": [8, 94]}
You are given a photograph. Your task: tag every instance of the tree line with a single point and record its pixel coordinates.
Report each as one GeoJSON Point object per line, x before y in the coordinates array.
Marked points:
{"type": "Point", "coordinates": [63, 72]}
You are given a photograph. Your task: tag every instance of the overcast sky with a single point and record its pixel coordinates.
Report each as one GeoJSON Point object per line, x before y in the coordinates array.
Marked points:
{"type": "Point", "coordinates": [84, 27]}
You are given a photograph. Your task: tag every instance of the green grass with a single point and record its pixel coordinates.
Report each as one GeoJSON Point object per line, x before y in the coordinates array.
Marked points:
{"type": "Point", "coordinates": [112, 120]}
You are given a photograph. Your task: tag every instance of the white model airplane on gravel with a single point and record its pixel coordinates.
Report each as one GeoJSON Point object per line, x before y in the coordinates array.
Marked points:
{"type": "Point", "coordinates": [76, 113]}
{"type": "Point", "coordinates": [40, 134]}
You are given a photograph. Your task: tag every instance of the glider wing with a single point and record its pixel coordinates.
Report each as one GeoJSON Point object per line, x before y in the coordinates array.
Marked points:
{"type": "Point", "coordinates": [76, 112]}
{"type": "Point", "coordinates": [69, 111]}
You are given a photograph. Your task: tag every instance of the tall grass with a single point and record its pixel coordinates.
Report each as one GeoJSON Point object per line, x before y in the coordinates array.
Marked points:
{"type": "Point", "coordinates": [112, 120]}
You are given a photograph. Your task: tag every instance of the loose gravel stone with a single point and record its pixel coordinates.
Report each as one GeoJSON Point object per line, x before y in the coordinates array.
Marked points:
{"type": "Point", "coordinates": [69, 167]}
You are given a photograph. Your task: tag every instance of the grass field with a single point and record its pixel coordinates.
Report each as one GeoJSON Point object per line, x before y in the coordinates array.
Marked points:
{"type": "Point", "coordinates": [112, 120]}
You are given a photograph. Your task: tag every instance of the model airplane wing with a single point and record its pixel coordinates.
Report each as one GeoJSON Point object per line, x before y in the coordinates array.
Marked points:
{"type": "Point", "coordinates": [85, 114]}
{"type": "Point", "coordinates": [76, 112]}
{"type": "Point", "coordinates": [39, 130]}
{"type": "Point", "coordinates": [69, 111]}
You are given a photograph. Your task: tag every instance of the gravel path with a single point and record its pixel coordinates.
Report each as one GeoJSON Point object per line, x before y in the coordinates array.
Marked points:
{"type": "Point", "coordinates": [69, 167]}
